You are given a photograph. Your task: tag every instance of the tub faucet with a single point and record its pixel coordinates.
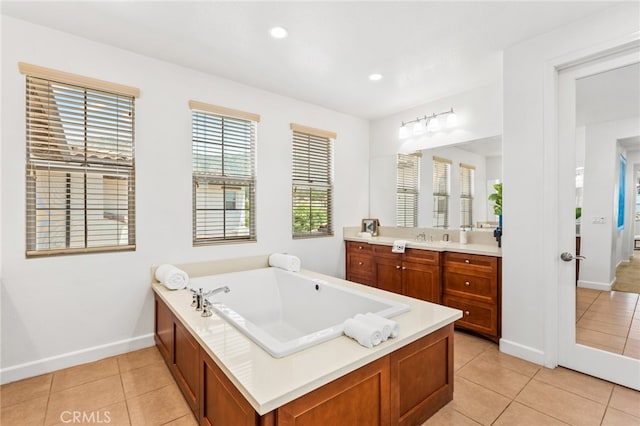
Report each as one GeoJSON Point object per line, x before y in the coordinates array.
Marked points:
{"type": "Point", "coordinates": [218, 290]}
{"type": "Point", "coordinates": [199, 296]}
{"type": "Point", "coordinates": [206, 304]}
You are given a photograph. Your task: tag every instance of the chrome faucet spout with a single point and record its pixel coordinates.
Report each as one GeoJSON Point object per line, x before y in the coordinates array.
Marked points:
{"type": "Point", "coordinates": [225, 289]}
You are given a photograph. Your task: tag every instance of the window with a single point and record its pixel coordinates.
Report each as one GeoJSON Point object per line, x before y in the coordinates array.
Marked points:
{"type": "Point", "coordinates": [407, 187]}
{"type": "Point", "coordinates": [441, 190]}
{"type": "Point", "coordinates": [224, 174]}
{"type": "Point", "coordinates": [466, 195]}
{"type": "Point", "coordinates": [80, 171]}
{"type": "Point", "coordinates": [312, 182]}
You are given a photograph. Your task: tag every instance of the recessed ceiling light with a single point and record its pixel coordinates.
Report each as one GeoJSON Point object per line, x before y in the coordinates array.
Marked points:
{"type": "Point", "coordinates": [375, 77]}
{"type": "Point", "coordinates": [278, 32]}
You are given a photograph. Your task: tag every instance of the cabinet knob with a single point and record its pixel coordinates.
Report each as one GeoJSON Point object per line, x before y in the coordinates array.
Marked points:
{"type": "Point", "coordinates": [397, 266]}
{"type": "Point", "coordinates": [467, 261]}
{"type": "Point", "coordinates": [466, 313]}
{"type": "Point", "coordinates": [404, 267]}
{"type": "Point", "coordinates": [360, 263]}
{"type": "Point", "coordinates": [359, 247]}
{"type": "Point", "coordinates": [467, 283]}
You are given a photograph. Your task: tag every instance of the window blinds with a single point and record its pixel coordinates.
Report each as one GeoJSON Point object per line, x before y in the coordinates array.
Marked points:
{"type": "Point", "coordinates": [466, 195]}
{"type": "Point", "coordinates": [80, 174]}
{"type": "Point", "coordinates": [224, 178]}
{"type": "Point", "coordinates": [441, 190]}
{"type": "Point", "coordinates": [407, 187]}
{"type": "Point", "coordinates": [312, 183]}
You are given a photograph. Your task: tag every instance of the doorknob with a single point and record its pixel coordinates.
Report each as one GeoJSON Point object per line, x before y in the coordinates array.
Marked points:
{"type": "Point", "coordinates": [568, 257]}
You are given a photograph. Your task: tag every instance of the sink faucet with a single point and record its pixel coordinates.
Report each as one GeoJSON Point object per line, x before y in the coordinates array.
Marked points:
{"type": "Point", "coordinates": [445, 237]}
{"type": "Point", "coordinates": [421, 237]}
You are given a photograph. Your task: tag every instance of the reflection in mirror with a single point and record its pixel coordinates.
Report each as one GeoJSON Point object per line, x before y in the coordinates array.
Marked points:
{"type": "Point", "coordinates": [607, 170]}
{"type": "Point", "coordinates": [455, 182]}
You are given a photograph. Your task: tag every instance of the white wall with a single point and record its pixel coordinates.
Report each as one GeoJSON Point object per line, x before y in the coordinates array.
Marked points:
{"type": "Point", "coordinates": [601, 244]}
{"type": "Point", "coordinates": [479, 114]}
{"type": "Point", "coordinates": [530, 252]}
{"type": "Point", "coordinates": [64, 310]}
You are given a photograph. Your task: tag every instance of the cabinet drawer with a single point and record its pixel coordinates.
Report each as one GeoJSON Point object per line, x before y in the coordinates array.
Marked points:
{"type": "Point", "coordinates": [425, 257]}
{"type": "Point", "coordinates": [385, 251]}
{"type": "Point", "coordinates": [360, 264]}
{"type": "Point", "coordinates": [357, 247]}
{"type": "Point", "coordinates": [483, 289]}
{"type": "Point", "coordinates": [472, 262]}
{"type": "Point", "coordinates": [475, 316]}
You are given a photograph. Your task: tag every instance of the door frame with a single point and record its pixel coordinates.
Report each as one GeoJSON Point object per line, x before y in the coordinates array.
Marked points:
{"type": "Point", "coordinates": [554, 242]}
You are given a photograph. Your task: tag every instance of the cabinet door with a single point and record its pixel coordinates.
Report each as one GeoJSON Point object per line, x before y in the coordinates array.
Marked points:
{"type": "Point", "coordinates": [186, 355]}
{"type": "Point", "coordinates": [421, 281]}
{"type": "Point", "coordinates": [389, 273]}
{"type": "Point", "coordinates": [164, 330]}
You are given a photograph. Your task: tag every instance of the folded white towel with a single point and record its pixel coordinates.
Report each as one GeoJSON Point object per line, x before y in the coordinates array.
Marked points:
{"type": "Point", "coordinates": [172, 277]}
{"type": "Point", "coordinates": [385, 328]}
{"type": "Point", "coordinates": [287, 262]}
{"type": "Point", "coordinates": [399, 246]}
{"type": "Point", "coordinates": [380, 321]}
{"type": "Point", "coordinates": [364, 333]}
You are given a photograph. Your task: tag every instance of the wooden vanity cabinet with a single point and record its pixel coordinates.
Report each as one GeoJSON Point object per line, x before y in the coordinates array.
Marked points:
{"type": "Point", "coordinates": [360, 267]}
{"type": "Point", "coordinates": [472, 283]}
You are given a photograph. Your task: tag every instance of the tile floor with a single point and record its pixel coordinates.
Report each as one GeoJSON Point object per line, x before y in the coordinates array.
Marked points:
{"type": "Point", "coordinates": [608, 320]}
{"type": "Point", "coordinates": [490, 388]}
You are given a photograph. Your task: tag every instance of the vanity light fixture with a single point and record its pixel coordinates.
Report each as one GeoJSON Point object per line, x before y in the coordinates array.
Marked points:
{"type": "Point", "coordinates": [431, 124]}
{"type": "Point", "coordinates": [278, 32]}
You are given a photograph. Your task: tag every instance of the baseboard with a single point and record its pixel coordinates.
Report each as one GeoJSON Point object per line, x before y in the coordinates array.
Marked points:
{"type": "Point", "coordinates": [521, 351]}
{"type": "Point", "coordinates": [70, 359]}
{"type": "Point", "coordinates": [595, 285]}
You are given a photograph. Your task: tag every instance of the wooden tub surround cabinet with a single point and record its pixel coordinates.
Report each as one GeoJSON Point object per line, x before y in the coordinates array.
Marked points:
{"type": "Point", "coordinates": [469, 282]}
{"type": "Point", "coordinates": [228, 380]}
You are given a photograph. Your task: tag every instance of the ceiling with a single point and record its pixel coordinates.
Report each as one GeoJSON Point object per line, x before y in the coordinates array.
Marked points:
{"type": "Point", "coordinates": [424, 50]}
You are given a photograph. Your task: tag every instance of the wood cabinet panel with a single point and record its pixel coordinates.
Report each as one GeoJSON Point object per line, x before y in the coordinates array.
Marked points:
{"type": "Point", "coordinates": [359, 398]}
{"type": "Point", "coordinates": [421, 281]}
{"type": "Point", "coordinates": [478, 287]}
{"type": "Point", "coordinates": [164, 330]}
{"type": "Point", "coordinates": [221, 403]}
{"type": "Point", "coordinates": [388, 273]}
{"type": "Point", "coordinates": [422, 378]}
{"type": "Point", "coordinates": [474, 263]}
{"type": "Point", "coordinates": [424, 257]}
{"type": "Point", "coordinates": [186, 355]}
{"type": "Point", "coordinates": [479, 317]}
{"type": "Point", "coordinates": [357, 247]}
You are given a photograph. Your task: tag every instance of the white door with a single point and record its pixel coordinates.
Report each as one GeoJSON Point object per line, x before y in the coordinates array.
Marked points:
{"type": "Point", "coordinates": [600, 363]}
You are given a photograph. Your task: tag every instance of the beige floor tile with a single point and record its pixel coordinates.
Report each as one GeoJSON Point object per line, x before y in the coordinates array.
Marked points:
{"type": "Point", "coordinates": [609, 309]}
{"type": "Point", "coordinates": [608, 317]}
{"type": "Point", "coordinates": [188, 420]}
{"type": "Point", "coordinates": [115, 414]}
{"type": "Point", "coordinates": [560, 404]}
{"type": "Point", "coordinates": [518, 414]}
{"type": "Point", "coordinates": [618, 296]}
{"type": "Point", "coordinates": [447, 416]}
{"type": "Point", "coordinates": [145, 379]}
{"type": "Point", "coordinates": [24, 390]}
{"type": "Point", "coordinates": [137, 359]}
{"type": "Point", "coordinates": [603, 327]}
{"type": "Point", "coordinates": [595, 389]}
{"type": "Point", "coordinates": [615, 417]}
{"type": "Point", "coordinates": [634, 331]}
{"type": "Point", "coordinates": [476, 402]}
{"type": "Point", "coordinates": [625, 399]}
{"type": "Point", "coordinates": [492, 376]}
{"type": "Point", "coordinates": [632, 348]}
{"type": "Point", "coordinates": [85, 373]}
{"type": "Point", "coordinates": [157, 407]}
{"type": "Point", "coordinates": [29, 412]}
{"type": "Point", "coordinates": [86, 397]}
{"type": "Point", "coordinates": [507, 361]}
{"type": "Point", "coordinates": [600, 340]}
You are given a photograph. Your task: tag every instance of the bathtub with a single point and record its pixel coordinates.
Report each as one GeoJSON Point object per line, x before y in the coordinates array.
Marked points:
{"type": "Point", "coordinates": [285, 312]}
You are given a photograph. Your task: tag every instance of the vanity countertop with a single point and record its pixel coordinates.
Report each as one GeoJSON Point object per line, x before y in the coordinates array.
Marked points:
{"type": "Point", "coordinates": [268, 383]}
{"type": "Point", "coordinates": [451, 246]}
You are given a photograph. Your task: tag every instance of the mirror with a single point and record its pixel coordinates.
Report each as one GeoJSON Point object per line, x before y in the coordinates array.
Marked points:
{"type": "Point", "coordinates": [484, 155]}
{"type": "Point", "coordinates": [607, 202]}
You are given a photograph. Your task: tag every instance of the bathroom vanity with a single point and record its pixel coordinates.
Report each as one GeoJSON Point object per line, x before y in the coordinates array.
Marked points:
{"type": "Point", "coordinates": [462, 276]}
{"type": "Point", "coordinates": [228, 379]}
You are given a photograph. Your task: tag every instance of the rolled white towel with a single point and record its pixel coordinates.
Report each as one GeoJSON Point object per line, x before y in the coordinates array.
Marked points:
{"type": "Point", "coordinates": [363, 332]}
{"type": "Point", "coordinates": [381, 321]}
{"type": "Point", "coordinates": [287, 262]}
{"type": "Point", "coordinates": [384, 327]}
{"type": "Point", "coordinates": [172, 277]}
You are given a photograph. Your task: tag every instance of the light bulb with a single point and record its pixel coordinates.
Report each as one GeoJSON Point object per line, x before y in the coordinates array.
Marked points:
{"type": "Point", "coordinates": [452, 120]}
{"type": "Point", "coordinates": [403, 132]}
{"type": "Point", "coordinates": [434, 124]}
{"type": "Point", "coordinates": [418, 128]}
